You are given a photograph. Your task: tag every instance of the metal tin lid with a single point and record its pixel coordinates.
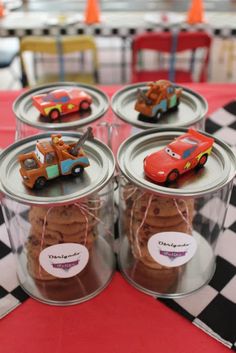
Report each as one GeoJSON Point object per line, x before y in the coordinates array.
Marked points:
{"type": "Point", "coordinates": [218, 171]}
{"type": "Point", "coordinates": [192, 108]}
{"type": "Point", "coordinates": [61, 190]}
{"type": "Point", "coordinates": [29, 115]}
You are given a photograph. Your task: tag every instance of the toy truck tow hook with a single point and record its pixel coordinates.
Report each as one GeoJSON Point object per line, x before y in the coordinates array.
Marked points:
{"type": "Point", "coordinates": [52, 159]}
{"type": "Point", "coordinates": [88, 135]}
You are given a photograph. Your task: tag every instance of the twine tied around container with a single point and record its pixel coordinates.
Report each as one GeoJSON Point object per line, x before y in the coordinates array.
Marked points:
{"type": "Point", "coordinates": [134, 234]}
{"type": "Point", "coordinates": [86, 210]}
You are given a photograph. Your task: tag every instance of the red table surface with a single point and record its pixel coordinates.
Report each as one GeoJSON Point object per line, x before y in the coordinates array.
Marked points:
{"type": "Point", "coordinates": [120, 319]}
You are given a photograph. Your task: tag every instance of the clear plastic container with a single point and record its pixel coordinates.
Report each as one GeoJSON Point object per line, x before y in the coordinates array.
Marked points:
{"type": "Point", "coordinates": [168, 233]}
{"type": "Point", "coordinates": [62, 234]}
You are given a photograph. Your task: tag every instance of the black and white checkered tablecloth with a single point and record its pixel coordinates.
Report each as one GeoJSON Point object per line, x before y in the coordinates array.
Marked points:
{"type": "Point", "coordinates": [212, 308]}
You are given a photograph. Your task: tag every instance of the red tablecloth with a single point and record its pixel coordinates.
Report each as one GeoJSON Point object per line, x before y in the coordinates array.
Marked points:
{"type": "Point", "coordinates": [120, 319]}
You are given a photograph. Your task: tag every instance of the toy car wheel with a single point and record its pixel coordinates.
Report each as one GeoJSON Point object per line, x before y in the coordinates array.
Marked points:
{"type": "Point", "coordinates": [158, 115]}
{"type": "Point", "coordinates": [202, 161]}
{"type": "Point", "coordinates": [84, 105]}
{"type": "Point", "coordinates": [77, 170]}
{"type": "Point", "coordinates": [172, 176]}
{"type": "Point", "coordinates": [54, 114]}
{"type": "Point", "coordinates": [40, 182]}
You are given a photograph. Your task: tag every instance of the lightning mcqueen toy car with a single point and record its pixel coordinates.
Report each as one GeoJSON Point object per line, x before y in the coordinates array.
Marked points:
{"type": "Point", "coordinates": [186, 152]}
{"type": "Point", "coordinates": [62, 101]}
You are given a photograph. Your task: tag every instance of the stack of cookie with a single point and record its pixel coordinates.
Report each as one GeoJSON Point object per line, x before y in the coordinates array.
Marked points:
{"type": "Point", "coordinates": [147, 214]}
{"type": "Point", "coordinates": [76, 223]}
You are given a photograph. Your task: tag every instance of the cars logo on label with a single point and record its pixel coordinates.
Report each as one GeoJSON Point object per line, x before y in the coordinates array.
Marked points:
{"type": "Point", "coordinates": [172, 255]}
{"type": "Point", "coordinates": [65, 266]}
{"type": "Point", "coordinates": [64, 260]}
{"type": "Point", "coordinates": [172, 249]}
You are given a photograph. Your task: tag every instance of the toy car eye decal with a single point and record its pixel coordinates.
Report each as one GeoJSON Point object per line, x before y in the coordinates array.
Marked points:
{"type": "Point", "coordinates": [39, 155]}
{"type": "Point", "coordinates": [175, 155]}
{"type": "Point", "coordinates": [172, 154]}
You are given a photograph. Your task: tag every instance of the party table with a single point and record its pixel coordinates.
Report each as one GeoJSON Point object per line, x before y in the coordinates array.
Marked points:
{"type": "Point", "coordinates": [120, 319]}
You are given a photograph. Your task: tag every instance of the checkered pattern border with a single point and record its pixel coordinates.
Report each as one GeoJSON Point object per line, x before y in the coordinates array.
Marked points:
{"type": "Point", "coordinates": [97, 30]}
{"type": "Point", "coordinates": [220, 27]}
{"type": "Point", "coordinates": [11, 294]}
{"type": "Point", "coordinates": [123, 32]}
{"type": "Point", "coordinates": [212, 308]}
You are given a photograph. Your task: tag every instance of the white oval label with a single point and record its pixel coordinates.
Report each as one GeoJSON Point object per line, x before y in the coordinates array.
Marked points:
{"type": "Point", "coordinates": [172, 249]}
{"type": "Point", "coordinates": [64, 260]}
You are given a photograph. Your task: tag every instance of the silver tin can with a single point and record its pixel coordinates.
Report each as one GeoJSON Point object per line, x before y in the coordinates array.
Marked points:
{"type": "Point", "coordinates": [30, 121]}
{"type": "Point", "coordinates": [168, 233]}
{"type": "Point", "coordinates": [62, 234]}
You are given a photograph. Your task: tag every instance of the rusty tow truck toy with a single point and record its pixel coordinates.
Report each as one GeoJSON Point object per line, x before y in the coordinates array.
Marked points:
{"type": "Point", "coordinates": [52, 159]}
{"type": "Point", "coordinates": [160, 97]}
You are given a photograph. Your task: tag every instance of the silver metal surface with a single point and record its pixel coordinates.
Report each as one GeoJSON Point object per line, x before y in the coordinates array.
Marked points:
{"type": "Point", "coordinates": [218, 171]}
{"type": "Point", "coordinates": [29, 115]}
{"type": "Point", "coordinates": [61, 190]}
{"type": "Point", "coordinates": [192, 109]}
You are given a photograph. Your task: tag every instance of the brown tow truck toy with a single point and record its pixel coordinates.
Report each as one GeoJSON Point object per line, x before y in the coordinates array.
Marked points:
{"type": "Point", "coordinates": [52, 159]}
{"type": "Point", "coordinates": [161, 97]}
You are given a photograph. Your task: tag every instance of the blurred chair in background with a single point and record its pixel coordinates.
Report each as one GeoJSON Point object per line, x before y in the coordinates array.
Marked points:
{"type": "Point", "coordinates": [60, 58]}
{"type": "Point", "coordinates": [9, 51]}
{"type": "Point", "coordinates": [182, 56]}
{"type": "Point", "coordinates": [227, 56]}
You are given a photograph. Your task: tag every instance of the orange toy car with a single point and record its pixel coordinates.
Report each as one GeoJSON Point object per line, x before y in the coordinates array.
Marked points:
{"type": "Point", "coordinates": [62, 101]}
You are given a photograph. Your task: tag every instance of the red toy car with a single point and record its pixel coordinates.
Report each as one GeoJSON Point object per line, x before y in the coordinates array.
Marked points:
{"type": "Point", "coordinates": [181, 155]}
{"type": "Point", "coordinates": [62, 101]}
